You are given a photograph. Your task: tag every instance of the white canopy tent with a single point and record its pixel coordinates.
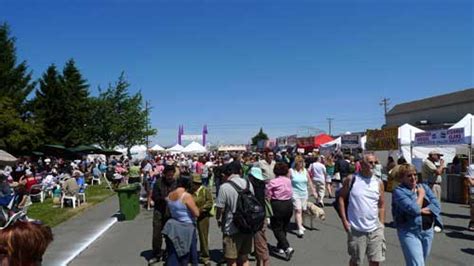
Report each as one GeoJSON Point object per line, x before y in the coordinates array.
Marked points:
{"type": "Point", "coordinates": [466, 123]}
{"type": "Point", "coordinates": [175, 149]}
{"type": "Point", "coordinates": [406, 136]}
{"type": "Point", "coordinates": [157, 148]}
{"type": "Point", "coordinates": [194, 147]}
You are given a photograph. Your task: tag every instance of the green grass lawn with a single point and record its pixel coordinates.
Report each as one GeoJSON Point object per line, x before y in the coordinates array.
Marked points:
{"type": "Point", "coordinates": [53, 215]}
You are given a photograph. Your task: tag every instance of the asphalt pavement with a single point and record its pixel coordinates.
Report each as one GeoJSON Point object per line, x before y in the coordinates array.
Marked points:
{"type": "Point", "coordinates": [129, 242]}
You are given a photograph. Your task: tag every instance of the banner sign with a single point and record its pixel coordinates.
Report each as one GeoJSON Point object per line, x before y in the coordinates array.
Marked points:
{"type": "Point", "coordinates": [196, 138]}
{"type": "Point", "coordinates": [351, 141]}
{"type": "Point", "coordinates": [382, 140]}
{"type": "Point", "coordinates": [439, 137]}
{"type": "Point", "coordinates": [286, 141]}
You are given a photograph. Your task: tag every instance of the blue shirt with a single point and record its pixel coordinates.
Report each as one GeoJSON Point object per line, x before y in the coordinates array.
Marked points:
{"type": "Point", "coordinates": [407, 213]}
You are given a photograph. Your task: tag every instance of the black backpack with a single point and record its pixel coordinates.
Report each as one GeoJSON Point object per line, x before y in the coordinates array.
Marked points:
{"type": "Point", "coordinates": [335, 204]}
{"type": "Point", "coordinates": [250, 213]}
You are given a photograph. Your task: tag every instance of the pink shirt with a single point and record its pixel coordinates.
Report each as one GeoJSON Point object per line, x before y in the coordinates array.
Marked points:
{"type": "Point", "coordinates": [279, 188]}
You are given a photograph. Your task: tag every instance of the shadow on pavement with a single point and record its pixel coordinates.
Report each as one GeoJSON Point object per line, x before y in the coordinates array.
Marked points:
{"type": "Point", "coordinates": [274, 253]}
{"type": "Point", "coordinates": [147, 254]}
{"type": "Point", "coordinates": [454, 215]}
{"type": "Point", "coordinates": [216, 256]}
{"type": "Point", "coordinates": [460, 235]}
{"type": "Point", "coordinates": [468, 250]}
{"type": "Point", "coordinates": [455, 228]}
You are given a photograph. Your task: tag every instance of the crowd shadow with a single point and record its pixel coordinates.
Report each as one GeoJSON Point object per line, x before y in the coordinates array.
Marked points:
{"type": "Point", "coordinates": [147, 254]}
{"type": "Point", "coordinates": [459, 235]}
{"type": "Point", "coordinates": [217, 256]}
{"type": "Point", "coordinates": [455, 228]}
{"type": "Point", "coordinates": [468, 250]}
{"type": "Point", "coordinates": [455, 215]}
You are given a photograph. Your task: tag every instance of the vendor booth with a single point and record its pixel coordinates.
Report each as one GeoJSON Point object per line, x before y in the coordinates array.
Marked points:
{"type": "Point", "coordinates": [455, 141]}
{"type": "Point", "coordinates": [313, 142]}
{"type": "Point", "coordinates": [175, 149]}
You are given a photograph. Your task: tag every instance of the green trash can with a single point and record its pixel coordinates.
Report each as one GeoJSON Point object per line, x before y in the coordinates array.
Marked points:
{"type": "Point", "coordinates": [129, 201]}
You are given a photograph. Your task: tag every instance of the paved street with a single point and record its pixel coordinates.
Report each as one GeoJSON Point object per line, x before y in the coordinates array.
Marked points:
{"type": "Point", "coordinates": [129, 243]}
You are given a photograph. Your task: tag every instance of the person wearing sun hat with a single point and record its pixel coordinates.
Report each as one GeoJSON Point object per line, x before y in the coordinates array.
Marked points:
{"type": "Point", "coordinates": [260, 239]}
{"type": "Point", "coordinates": [204, 201]}
{"type": "Point", "coordinates": [432, 170]}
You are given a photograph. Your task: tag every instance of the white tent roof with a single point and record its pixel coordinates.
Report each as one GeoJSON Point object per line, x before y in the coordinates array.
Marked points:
{"type": "Point", "coordinates": [406, 134]}
{"type": "Point", "coordinates": [175, 148]}
{"type": "Point", "coordinates": [157, 148]}
{"type": "Point", "coordinates": [232, 148]}
{"type": "Point", "coordinates": [466, 123]}
{"type": "Point", "coordinates": [194, 147]}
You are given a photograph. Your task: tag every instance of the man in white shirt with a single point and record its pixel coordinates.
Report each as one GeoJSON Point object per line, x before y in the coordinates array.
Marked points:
{"type": "Point", "coordinates": [318, 172]}
{"type": "Point", "coordinates": [365, 215]}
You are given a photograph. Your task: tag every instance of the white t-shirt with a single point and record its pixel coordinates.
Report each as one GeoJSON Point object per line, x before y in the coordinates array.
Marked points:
{"type": "Point", "coordinates": [318, 171]}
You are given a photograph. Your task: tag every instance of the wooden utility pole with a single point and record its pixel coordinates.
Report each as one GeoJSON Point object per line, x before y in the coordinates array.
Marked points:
{"type": "Point", "coordinates": [385, 102]}
{"type": "Point", "coordinates": [330, 125]}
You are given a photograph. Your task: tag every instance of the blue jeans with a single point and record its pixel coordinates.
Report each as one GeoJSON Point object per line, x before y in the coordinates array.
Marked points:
{"type": "Point", "coordinates": [190, 258]}
{"type": "Point", "coordinates": [416, 246]}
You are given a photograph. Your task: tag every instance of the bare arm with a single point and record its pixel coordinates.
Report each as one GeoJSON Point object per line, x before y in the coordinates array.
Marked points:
{"type": "Point", "coordinates": [311, 185]}
{"type": "Point", "coordinates": [189, 201]}
{"type": "Point", "coordinates": [342, 204]}
{"type": "Point", "coordinates": [381, 204]}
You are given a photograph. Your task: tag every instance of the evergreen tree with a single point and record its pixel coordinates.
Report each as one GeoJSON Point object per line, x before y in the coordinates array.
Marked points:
{"type": "Point", "coordinates": [18, 130]}
{"type": "Point", "coordinates": [260, 136]}
{"type": "Point", "coordinates": [76, 108]}
{"type": "Point", "coordinates": [15, 80]}
{"type": "Point", "coordinates": [50, 102]}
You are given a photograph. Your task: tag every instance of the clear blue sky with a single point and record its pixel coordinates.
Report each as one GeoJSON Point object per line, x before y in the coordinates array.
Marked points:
{"type": "Point", "coordinates": [238, 65]}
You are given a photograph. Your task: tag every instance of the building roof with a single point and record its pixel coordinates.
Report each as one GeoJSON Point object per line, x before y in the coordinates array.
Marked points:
{"type": "Point", "coordinates": [434, 102]}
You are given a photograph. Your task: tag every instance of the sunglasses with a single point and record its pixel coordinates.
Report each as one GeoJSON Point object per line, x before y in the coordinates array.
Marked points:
{"type": "Point", "coordinates": [371, 162]}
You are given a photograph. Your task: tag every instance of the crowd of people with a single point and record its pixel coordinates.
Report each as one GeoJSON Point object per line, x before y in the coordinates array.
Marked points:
{"type": "Point", "coordinates": [248, 193]}
{"type": "Point", "coordinates": [283, 184]}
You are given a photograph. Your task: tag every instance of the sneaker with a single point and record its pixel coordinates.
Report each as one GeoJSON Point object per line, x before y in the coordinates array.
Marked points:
{"type": "Point", "coordinates": [154, 260]}
{"type": "Point", "coordinates": [437, 229]}
{"type": "Point", "coordinates": [281, 252]}
{"type": "Point", "coordinates": [300, 233]}
{"type": "Point", "coordinates": [289, 252]}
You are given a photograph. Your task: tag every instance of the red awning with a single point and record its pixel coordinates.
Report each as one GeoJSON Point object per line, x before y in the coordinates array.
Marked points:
{"type": "Point", "coordinates": [321, 139]}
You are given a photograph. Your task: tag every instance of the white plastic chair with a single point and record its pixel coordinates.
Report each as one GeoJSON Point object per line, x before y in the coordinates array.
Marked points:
{"type": "Point", "coordinates": [72, 198]}
{"type": "Point", "coordinates": [95, 179]}
{"type": "Point", "coordinates": [81, 196]}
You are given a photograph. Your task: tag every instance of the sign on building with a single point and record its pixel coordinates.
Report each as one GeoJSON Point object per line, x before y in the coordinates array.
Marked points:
{"type": "Point", "coordinates": [440, 137]}
{"type": "Point", "coordinates": [350, 141]}
{"type": "Point", "coordinates": [382, 140]}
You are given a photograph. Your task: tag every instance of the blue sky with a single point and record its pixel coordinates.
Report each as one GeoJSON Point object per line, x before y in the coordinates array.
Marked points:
{"type": "Point", "coordinates": [240, 65]}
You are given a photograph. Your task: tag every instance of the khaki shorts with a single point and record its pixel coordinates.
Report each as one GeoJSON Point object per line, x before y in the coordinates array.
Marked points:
{"type": "Point", "coordinates": [237, 245]}
{"type": "Point", "coordinates": [371, 244]}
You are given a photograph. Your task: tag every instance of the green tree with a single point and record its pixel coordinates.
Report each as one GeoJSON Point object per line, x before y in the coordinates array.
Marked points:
{"type": "Point", "coordinates": [120, 118]}
{"type": "Point", "coordinates": [76, 110]}
{"type": "Point", "coordinates": [260, 136]}
{"type": "Point", "coordinates": [18, 136]}
{"type": "Point", "coordinates": [49, 106]}
{"type": "Point", "coordinates": [15, 79]}
{"type": "Point", "coordinates": [18, 130]}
